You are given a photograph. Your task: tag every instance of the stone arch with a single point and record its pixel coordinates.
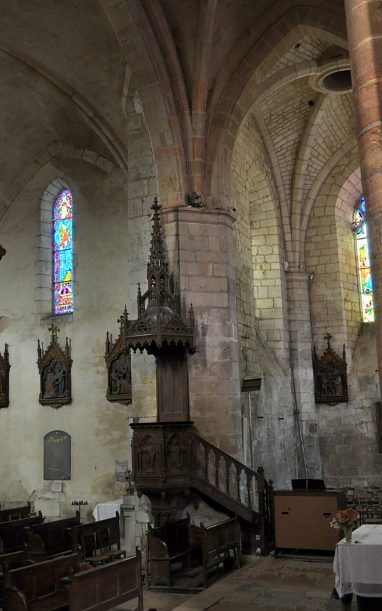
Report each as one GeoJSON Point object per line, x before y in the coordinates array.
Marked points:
{"type": "Point", "coordinates": [44, 271]}
{"type": "Point", "coordinates": [60, 149]}
{"type": "Point", "coordinates": [330, 258]}
{"type": "Point", "coordinates": [240, 89]}
{"type": "Point", "coordinates": [159, 83]}
{"type": "Point", "coordinates": [259, 249]}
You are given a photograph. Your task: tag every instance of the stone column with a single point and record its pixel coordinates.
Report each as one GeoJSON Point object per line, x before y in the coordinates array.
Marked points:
{"type": "Point", "coordinates": [364, 23]}
{"type": "Point", "coordinates": [200, 246]}
{"type": "Point", "coordinates": [300, 337]}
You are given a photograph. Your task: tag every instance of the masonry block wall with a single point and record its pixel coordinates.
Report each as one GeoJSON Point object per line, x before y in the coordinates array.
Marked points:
{"type": "Point", "coordinates": [347, 431]}
{"type": "Point", "coordinates": [262, 308]}
{"type": "Point", "coordinates": [203, 242]}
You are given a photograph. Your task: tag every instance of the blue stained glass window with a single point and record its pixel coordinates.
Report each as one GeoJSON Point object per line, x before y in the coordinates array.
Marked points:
{"type": "Point", "coordinates": [63, 253]}
{"type": "Point", "coordinates": [363, 261]}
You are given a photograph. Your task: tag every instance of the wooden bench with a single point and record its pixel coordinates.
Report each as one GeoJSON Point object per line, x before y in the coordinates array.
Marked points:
{"type": "Point", "coordinates": [217, 542]}
{"type": "Point", "coordinates": [50, 538]}
{"type": "Point", "coordinates": [170, 548]}
{"type": "Point", "coordinates": [106, 586]}
{"type": "Point", "coordinates": [12, 535]}
{"type": "Point", "coordinates": [15, 513]}
{"type": "Point", "coordinates": [11, 561]}
{"type": "Point", "coordinates": [38, 587]}
{"type": "Point", "coordinates": [98, 542]}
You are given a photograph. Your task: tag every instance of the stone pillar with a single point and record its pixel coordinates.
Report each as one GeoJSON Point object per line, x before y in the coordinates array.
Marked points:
{"type": "Point", "coordinates": [200, 246]}
{"type": "Point", "coordinates": [364, 23]}
{"type": "Point", "coordinates": [300, 337]}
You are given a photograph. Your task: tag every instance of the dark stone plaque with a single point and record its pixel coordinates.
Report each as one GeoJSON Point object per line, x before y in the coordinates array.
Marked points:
{"type": "Point", "coordinates": [57, 455]}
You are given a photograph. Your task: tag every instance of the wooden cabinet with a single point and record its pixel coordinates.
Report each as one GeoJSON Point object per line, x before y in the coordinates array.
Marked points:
{"type": "Point", "coordinates": [302, 519]}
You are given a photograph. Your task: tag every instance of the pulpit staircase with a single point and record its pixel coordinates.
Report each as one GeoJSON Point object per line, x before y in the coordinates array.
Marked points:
{"type": "Point", "coordinates": [170, 459]}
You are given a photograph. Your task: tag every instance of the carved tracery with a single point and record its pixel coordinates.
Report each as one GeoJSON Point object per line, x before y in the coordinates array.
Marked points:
{"type": "Point", "coordinates": [54, 365]}
{"type": "Point", "coordinates": [118, 363]}
{"type": "Point", "coordinates": [330, 376]}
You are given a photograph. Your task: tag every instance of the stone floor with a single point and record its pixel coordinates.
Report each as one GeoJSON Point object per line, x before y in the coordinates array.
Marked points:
{"type": "Point", "coordinates": [263, 584]}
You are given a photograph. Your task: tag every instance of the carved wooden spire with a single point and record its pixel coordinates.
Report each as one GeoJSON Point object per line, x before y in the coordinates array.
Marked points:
{"type": "Point", "coordinates": [159, 320]}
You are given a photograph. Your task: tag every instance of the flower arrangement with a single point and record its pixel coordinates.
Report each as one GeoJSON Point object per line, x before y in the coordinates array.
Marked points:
{"type": "Point", "coordinates": [345, 519]}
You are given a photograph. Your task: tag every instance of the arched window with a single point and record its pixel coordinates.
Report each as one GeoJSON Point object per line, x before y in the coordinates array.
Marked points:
{"type": "Point", "coordinates": [62, 252]}
{"type": "Point", "coordinates": [363, 261]}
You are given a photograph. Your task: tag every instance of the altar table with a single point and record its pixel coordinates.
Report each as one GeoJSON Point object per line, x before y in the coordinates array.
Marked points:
{"type": "Point", "coordinates": [358, 564]}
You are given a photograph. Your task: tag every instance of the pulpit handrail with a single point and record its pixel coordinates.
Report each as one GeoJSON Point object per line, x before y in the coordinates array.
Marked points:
{"type": "Point", "coordinates": [258, 475]}
{"type": "Point", "coordinates": [250, 490]}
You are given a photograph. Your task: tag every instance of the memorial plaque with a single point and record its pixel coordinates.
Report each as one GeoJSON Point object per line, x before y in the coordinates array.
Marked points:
{"type": "Point", "coordinates": [57, 456]}
{"type": "Point", "coordinates": [121, 467]}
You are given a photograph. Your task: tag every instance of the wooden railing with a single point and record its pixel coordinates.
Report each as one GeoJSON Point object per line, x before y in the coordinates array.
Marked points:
{"type": "Point", "coordinates": [230, 477]}
{"type": "Point", "coordinates": [171, 456]}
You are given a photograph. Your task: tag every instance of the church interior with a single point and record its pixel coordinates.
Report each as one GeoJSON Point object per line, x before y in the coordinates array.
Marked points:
{"type": "Point", "coordinates": [190, 256]}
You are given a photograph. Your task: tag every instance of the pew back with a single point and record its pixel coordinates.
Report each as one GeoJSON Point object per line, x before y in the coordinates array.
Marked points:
{"type": "Point", "coordinates": [98, 541]}
{"type": "Point", "coordinates": [50, 538]}
{"type": "Point", "coordinates": [38, 586]}
{"type": "Point", "coordinates": [107, 585]}
{"type": "Point", "coordinates": [15, 513]}
{"type": "Point", "coordinates": [12, 535]}
{"type": "Point", "coordinates": [217, 542]}
{"type": "Point", "coordinates": [170, 549]}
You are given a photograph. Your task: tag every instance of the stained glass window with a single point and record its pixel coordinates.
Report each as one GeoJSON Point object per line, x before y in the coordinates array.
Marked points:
{"type": "Point", "coordinates": [63, 253]}
{"type": "Point", "coordinates": [363, 260]}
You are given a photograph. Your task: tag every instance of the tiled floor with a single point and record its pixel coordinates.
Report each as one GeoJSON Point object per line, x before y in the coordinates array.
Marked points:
{"type": "Point", "coordinates": [264, 584]}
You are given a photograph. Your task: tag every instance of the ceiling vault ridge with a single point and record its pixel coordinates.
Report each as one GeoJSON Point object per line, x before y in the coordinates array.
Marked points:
{"type": "Point", "coordinates": [265, 28]}
{"type": "Point", "coordinates": [92, 117]}
{"type": "Point", "coordinates": [170, 57]}
{"type": "Point", "coordinates": [348, 147]}
{"type": "Point", "coordinates": [302, 160]}
{"type": "Point", "coordinates": [282, 208]}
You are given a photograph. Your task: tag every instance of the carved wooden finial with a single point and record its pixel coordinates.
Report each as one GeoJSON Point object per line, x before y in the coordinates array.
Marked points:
{"type": "Point", "coordinates": [123, 321]}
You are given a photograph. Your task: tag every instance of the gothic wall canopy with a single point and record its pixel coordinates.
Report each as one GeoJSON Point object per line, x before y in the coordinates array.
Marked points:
{"type": "Point", "coordinates": [330, 376]}
{"type": "Point", "coordinates": [118, 363]}
{"type": "Point", "coordinates": [4, 378]}
{"type": "Point", "coordinates": [54, 365]}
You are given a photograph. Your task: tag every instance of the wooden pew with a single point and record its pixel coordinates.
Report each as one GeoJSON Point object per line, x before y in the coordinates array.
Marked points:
{"type": "Point", "coordinates": [51, 538]}
{"type": "Point", "coordinates": [15, 513]}
{"type": "Point", "coordinates": [11, 561]}
{"type": "Point", "coordinates": [107, 585]}
{"type": "Point", "coordinates": [12, 535]}
{"type": "Point", "coordinates": [217, 542]}
{"type": "Point", "coordinates": [98, 542]}
{"type": "Point", "coordinates": [169, 548]}
{"type": "Point", "coordinates": [38, 587]}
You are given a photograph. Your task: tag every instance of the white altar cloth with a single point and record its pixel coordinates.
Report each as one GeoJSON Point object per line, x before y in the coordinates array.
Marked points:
{"type": "Point", "coordinates": [358, 565]}
{"type": "Point", "coordinates": [107, 509]}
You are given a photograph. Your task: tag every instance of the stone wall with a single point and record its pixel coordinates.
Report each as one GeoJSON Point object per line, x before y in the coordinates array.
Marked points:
{"type": "Point", "coordinates": [111, 240]}
{"type": "Point", "coordinates": [347, 431]}
{"type": "Point", "coordinates": [262, 310]}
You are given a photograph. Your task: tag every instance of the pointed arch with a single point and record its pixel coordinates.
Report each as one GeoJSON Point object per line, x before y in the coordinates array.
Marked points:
{"type": "Point", "coordinates": [365, 279]}
{"type": "Point", "coordinates": [55, 265]}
